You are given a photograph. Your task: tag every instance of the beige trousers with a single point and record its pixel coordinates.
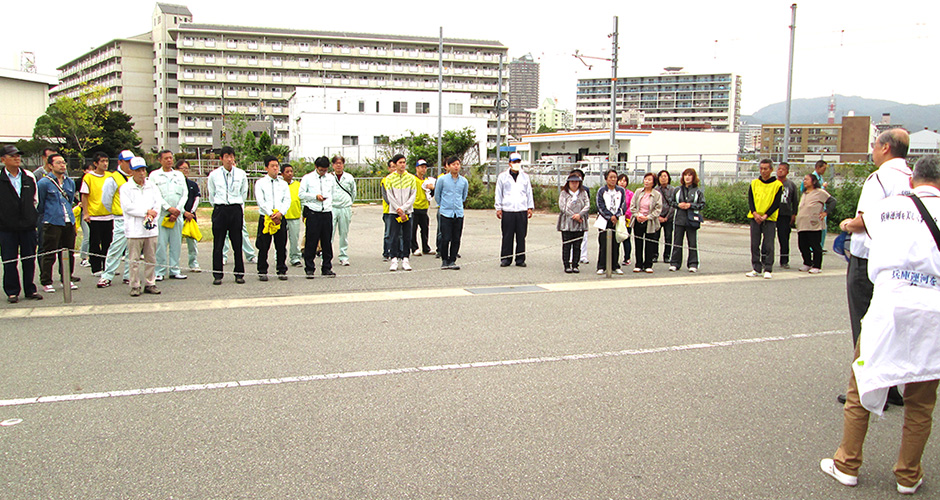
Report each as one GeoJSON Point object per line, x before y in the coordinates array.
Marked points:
{"type": "Point", "coordinates": [142, 249]}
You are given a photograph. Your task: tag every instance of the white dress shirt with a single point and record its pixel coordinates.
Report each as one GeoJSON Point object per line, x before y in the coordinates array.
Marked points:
{"type": "Point", "coordinates": [514, 195]}
{"type": "Point", "coordinates": [227, 187]}
{"type": "Point", "coordinates": [314, 184]}
{"type": "Point", "coordinates": [272, 194]}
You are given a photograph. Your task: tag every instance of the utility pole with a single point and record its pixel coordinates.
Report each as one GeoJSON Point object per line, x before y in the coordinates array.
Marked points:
{"type": "Point", "coordinates": [501, 105]}
{"type": "Point", "coordinates": [440, 96]}
{"type": "Point", "coordinates": [786, 127]}
{"type": "Point", "coordinates": [614, 150]}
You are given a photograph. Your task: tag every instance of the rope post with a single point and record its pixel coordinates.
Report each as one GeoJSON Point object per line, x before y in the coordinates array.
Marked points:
{"type": "Point", "coordinates": [66, 275]}
{"type": "Point", "coordinates": [610, 252]}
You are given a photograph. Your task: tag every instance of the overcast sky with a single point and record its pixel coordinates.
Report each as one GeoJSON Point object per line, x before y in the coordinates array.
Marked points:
{"type": "Point", "coordinates": [874, 49]}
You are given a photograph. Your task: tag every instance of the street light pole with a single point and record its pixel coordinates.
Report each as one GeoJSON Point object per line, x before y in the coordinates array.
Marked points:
{"type": "Point", "coordinates": [786, 127]}
{"type": "Point", "coordinates": [613, 153]}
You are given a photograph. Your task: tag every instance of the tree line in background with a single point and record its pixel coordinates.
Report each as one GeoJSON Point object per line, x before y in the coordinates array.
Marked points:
{"type": "Point", "coordinates": [78, 127]}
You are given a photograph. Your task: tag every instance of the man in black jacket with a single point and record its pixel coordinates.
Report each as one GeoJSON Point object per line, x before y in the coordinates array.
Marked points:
{"type": "Point", "coordinates": [18, 216]}
{"type": "Point", "coordinates": [786, 218]}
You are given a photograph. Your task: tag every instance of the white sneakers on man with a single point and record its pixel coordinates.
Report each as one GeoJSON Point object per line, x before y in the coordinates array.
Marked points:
{"type": "Point", "coordinates": [405, 264]}
{"type": "Point", "coordinates": [828, 466]}
{"type": "Point", "coordinates": [393, 264]}
{"type": "Point", "coordinates": [910, 490]}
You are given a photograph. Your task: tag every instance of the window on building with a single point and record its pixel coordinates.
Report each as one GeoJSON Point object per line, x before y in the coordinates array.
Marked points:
{"type": "Point", "coordinates": [350, 140]}
{"type": "Point", "coordinates": [376, 106]}
{"type": "Point", "coordinates": [276, 45]}
{"type": "Point", "coordinates": [304, 46]}
{"type": "Point", "coordinates": [380, 139]}
{"type": "Point", "coordinates": [422, 108]}
{"type": "Point", "coordinates": [338, 102]}
{"type": "Point", "coordinates": [399, 107]}
{"type": "Point", "coordinates": [362, 106]}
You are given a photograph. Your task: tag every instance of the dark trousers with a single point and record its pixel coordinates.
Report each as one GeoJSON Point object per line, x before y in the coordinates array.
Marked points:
{"type": "Point", "coordinates": [55, 238]}
{"type": "Point", "coordinates": [628, 245]}
{"type": "Point", "coordinates": [440, 234]}
{"type": "Point", "coordinates": [263, 242]}
{"type": "Point", "coordinates": [602, 249]}
{"type": "Point", "coordinates": [15, 244]}
{"type": "Point", "coordinates": [99, 240]}
{"type": "Point", "coordinates": [422, 222]}
{"type": "Point", "coordinates": [783, 239]}
{"type": "Point", "coordinates": [647, 245]}
{"type": "Point", "coordinates": [319, 229]}
{"type": "Point", "coordinates": [810, 243]}
{"type": "Point", "coordinates": [667, 229]}
{"type": "Point", "coordinates": [762, 245]}
{"type": "Point", "coordinates": [387, 239]}
{"type": "Point", "coordinates": [227, 220]}
{"type": "Point", "coordinates": [400, 237]}
{"type": "Point", "coordinates": [515, 225]}
{"type": "Point", "coordinates": [451, 231]}
{"type": "Point", "coordinates": [691, 235]}
{"type": "Point", "coordinates": [859, 291]}
{"type": "Point", "coordinates": [571, 248]}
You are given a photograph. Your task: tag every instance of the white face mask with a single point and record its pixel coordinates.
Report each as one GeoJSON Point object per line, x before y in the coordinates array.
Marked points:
{"type": "Point", "coordinates": [515, 167]}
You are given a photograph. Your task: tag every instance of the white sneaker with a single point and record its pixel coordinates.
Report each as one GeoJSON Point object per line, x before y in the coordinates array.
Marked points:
{"type": "Point", "coordinates": [48, 289]}
{"type": "Point", "coordinates": [829, 467]}
{"type": "Point", "coordinates": [85, 263]}
{"type": "Point", "coordinates": [672, 268]}
{"type": "Point", "coordinates": [768, 275]}
{"type": "Point", "coordinates": [585, 261]}
{"type": "Point", "coordinates": [636, 269]}
{"type": "Point", "coordinates": [804, 268]}
{"type": "Point", "coordinates": [158, 278]}
{"type": "Point", "coordinates": [815, 270]}
{"type": "Point", "coordinates": [405, 264]}
{"type": "Point", "coordinates": [693, 269]}
{"type": "Point", "coordinates": [418, 253]}
{"type": "Point", "coordinates": [752, 274]}
{"type": "Point", "coordinates": [393, 264]}
{"type": "Point", "coordinates": [649, 270]}
{"type": "Point", "coordinates": [618, 271]}
{"type": "Point", "coordinates": [600, 272]}
{"type": "Point", "coordinates": [344, 262]}
{"type": "Point", "coordinates": [73, 286]}
{"type": "Point", "coordinates": [910, 490]}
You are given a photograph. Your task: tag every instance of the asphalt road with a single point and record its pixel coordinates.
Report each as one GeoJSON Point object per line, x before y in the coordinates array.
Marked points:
{"type": "Point", "coordinates": [424, 385]}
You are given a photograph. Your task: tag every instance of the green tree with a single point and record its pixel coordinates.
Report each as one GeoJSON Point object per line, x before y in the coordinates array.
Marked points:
{"type": "Point", "coordinates": [545, 129]}
{"type": "Point", "coordinates": [117, 132]}
{"type": "Point", "coordinates": [71, 124]}
{"type": "Point", "coordinates": [460, 143]}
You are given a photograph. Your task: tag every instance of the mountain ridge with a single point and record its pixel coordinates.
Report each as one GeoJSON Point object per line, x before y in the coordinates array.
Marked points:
{"type": "Point", "coordinates": [912, 117]}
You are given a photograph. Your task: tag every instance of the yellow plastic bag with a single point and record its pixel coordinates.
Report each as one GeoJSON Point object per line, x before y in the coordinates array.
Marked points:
{"type": "Point", "coordinates": [77, 212]}
{"type": "Point", "coordinates": [191, 230]}
{"type": "Point", "coordinates": [269, 226]}
{"type": "Point", "coordinates": [167, 223]}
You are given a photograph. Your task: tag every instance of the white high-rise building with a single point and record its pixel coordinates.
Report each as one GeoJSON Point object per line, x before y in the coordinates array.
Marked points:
{"type": "Point", "coordinates": [201, 72]}
{"type": "Point", "coordinates": [672, 100]}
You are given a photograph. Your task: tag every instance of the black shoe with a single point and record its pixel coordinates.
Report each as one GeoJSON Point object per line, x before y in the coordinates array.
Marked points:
{"type": "Point", "coordinates": [282, 277]}
{"type": "Point", "coordinates": [310, 275]}
{"type": "Point", "coordinates": [75, 279]}
{"type": "Point", "coordinates": [217, 281]}
{"type": "Point", "coordinates": [328, 273]}
{"type": "Point", "coordinates": [454, 266]}
{"type": "Point", "coordinates": [504, 263]}
{"type": "Point", "coordinates": [894, 397]}
{"type": "Point", "coordinates": [841, 399]}
{"type": "Point", "coordinates": [262, 277]}
{"type": "Point", "coordinates": [13, 299]}
{"type": "Point", "coordinates": [34, 296]}
{"type": "Point", "coordinates": [784, 266]}
{"type": "Point", "coordinates": [520, 264]}
{"type": "Point", "coordinates": [240, 280]}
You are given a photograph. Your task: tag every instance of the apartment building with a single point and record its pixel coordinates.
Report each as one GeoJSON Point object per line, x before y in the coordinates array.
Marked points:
{"type": "Point", "coordinates": [201, 72]}
{"type": "Point", "coordinates": [523, 83]}
{"type": "Point", "coordinates": [673, 100]}
{"type": "Point", "coordinates": [551, 116]}
{"type": "Point", "coordinates": [124, 68]}
{"type": "Point", "coordinates": [849, 141]}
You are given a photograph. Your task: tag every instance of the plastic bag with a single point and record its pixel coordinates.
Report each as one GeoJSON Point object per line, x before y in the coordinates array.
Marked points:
{"type": "Point", "coordinates": [191, 230]}
{"type": "Point", "coordinates": [622, 233]}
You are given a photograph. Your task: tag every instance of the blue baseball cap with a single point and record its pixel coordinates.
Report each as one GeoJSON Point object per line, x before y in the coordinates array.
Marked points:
{"type": "Point", "coordinates": [841, 245]}
{"type": "Point", "coordinates": [125, 155]}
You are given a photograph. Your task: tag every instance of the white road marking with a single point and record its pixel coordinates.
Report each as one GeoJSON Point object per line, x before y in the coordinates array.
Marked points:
{"type": "Point", "coordinates": [356, 297]}
{"type": "Point", "coordinates": [400, 371]}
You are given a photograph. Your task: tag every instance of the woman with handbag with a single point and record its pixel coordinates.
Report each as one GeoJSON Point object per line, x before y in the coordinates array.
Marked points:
{"type": "Point", "coordinates": [622, 181]}
{"type": "Point", "coordinates": [609, 210]}
{"type": "Point", "coordinates": [688, 202]}
{"type": "Point", "coordinates": [574, 204]}
{"type": "Point", "coordinates": [646, 206]}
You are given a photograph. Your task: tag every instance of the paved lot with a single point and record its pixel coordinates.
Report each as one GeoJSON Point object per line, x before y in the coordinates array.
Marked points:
{"type": "Point", "coordinates": [416, 385]}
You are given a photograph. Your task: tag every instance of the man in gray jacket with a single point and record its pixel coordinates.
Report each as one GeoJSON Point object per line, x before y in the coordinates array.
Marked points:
{"type": "Point", "coordinates": [789, 202]}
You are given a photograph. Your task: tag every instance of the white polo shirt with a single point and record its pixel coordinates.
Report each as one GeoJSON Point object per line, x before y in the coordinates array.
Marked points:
{"type": "Point", "coordinates": [899, 342]}
{"type": "Point", "coordinates": [892, 178]}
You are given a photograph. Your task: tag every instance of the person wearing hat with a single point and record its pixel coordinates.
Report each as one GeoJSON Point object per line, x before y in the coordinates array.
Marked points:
{"type": "Point", "coordinates": [422, 204]}
{"type": "Point", "coordinates": [56, 192]}
{"type": "Point", "coordinates": [140, 206]}
{"type": "Point", "coordinates": [573, 206]}
{"type": "Point", "coordinates": [514, 205]}
{"type": "Point", "coordinates": [18, 216]}
{"type": "Point", "coordinates": [111, 197]}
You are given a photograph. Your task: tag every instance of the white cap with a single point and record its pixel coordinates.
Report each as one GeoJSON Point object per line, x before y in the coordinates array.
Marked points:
{"type": "Point", "coordinates": [137, 163]}
{"type": "Point", "coordinates": [515, 157]}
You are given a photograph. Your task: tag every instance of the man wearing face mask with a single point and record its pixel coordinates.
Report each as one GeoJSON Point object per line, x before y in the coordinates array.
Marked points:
{"type": "Point", "coordinates": [514, 205]}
